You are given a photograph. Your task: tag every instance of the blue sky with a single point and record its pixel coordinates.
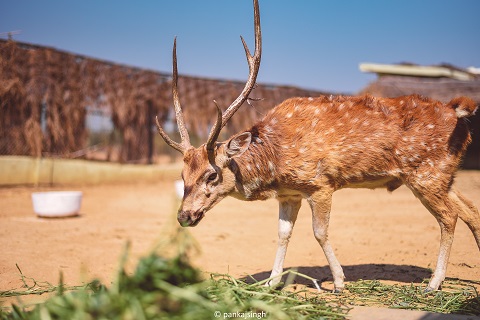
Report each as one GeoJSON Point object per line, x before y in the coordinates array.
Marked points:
{"type": "Point", "coordinates": [311, 44]}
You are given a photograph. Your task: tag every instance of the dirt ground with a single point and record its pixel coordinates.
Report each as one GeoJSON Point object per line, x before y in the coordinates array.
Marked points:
{"type": "Point", "coordinates": [376, 235]}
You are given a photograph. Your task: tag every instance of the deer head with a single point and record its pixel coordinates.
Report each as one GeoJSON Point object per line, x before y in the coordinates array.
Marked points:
{"type": "Point", "coordinates": [205, 173]}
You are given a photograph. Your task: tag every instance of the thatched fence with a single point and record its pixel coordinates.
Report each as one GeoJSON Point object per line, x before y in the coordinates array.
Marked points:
{"type": "Point", "coordinates": [47, 97]}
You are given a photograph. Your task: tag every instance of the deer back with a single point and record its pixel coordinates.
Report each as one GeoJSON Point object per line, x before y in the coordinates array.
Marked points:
{"type": "Point", "coordinates": [356, 141]}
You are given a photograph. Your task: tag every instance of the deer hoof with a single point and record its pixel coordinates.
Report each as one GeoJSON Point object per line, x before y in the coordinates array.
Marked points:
{"type": "Point", "coordinates": [338, 290]}
{"type": "Point", "coordinates": [428, 290]}
{"type": "Point", "coordinates": [273, 283]}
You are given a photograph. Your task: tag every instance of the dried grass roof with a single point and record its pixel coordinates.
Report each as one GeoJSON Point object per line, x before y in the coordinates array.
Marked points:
{"type": "Point", "coordinates": [35, 79]}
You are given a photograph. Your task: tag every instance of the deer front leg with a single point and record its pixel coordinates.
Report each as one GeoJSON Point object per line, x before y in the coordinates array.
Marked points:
{"type": "Point", "coordinates": [288, 211]}
{"type": "Point", "coordinates": [320, 203]}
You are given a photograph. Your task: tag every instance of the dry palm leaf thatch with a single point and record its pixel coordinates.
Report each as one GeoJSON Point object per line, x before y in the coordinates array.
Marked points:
{"type": "Point", "coordinates": [45, 93]}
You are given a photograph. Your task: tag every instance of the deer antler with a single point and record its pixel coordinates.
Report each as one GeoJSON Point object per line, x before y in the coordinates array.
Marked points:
{"type": "Point", "coordinates": [185, 144]}
{"type": "Point", "coordinates": [253, 65]}
{"type": "Point", "coordinates": [222, 118]}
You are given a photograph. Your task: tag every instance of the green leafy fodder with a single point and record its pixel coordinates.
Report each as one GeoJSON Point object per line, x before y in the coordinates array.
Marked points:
{"type": "Point", "coordinates": [32, 286]}
{"type": "Point", "coordinates": [153, 291]}
{"type": "Point", "coordinates": [171, 288]}
{"type": "Point", "coordinates": [165, 285]}
{"type": "Point", "coordinates": [455, 297]}
{"type": "Point", "coordinates": [237, 296]}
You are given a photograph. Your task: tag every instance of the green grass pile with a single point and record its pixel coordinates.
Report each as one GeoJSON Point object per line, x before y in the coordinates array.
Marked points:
{"type": "Point", "coordinates": [170, 288]}
{"type": "Point", "coordinates": [165, 285]}
{"type": "Point", "coordinates": [456, 296]}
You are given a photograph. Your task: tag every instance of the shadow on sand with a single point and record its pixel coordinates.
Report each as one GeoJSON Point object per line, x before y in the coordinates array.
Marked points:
{"type": "Point", "coordinates": [383, 272]}
{"type": "Point", "coordinates": [388, 272]}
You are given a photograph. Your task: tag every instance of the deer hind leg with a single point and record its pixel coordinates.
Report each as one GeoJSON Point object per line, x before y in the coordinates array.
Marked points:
{"type": "Point", "coordinates": [446, 208]}
{"type": "Point", "coordinates": [288, 211]}
{"type": "Point", "coordinates": [469, 214]}
{"type": "Point", "coordinates": [320, 203]}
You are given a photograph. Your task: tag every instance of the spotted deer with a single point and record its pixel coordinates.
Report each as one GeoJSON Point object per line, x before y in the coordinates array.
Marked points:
{"type": "Point", "coordinates": [307, 148]}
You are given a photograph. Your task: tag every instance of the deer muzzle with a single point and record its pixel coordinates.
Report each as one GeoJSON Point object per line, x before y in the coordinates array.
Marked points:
{"type": "Point", "coordinates": [190, 218]}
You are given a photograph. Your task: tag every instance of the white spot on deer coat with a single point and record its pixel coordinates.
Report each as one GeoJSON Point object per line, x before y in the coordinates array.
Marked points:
{"type": "Point", "coordinates": [331, 130]}
{"type": "Point", "coordinates": [271, 166]}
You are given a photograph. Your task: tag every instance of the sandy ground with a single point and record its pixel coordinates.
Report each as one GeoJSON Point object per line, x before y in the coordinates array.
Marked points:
{"type": "Point", "coordinates": [376, 235]}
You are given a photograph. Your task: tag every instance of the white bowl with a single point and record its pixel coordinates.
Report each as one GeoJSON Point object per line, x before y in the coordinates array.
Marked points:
{"type": "Point", "coordinates": [57, 203]}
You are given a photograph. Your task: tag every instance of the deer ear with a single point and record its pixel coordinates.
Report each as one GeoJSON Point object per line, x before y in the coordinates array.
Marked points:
{"type": "Point", "coordinates": [238, 144]}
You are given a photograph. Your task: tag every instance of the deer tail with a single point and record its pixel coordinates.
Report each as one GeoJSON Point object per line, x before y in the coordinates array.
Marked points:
{"type": "Point", "coordinates": [463, 106]}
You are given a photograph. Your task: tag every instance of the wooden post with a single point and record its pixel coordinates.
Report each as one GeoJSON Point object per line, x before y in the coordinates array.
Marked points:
{"type": "Point", "coordinates": [150, 138]}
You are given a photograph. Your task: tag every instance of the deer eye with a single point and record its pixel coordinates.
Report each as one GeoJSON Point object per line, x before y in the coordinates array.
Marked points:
{"type": "Point", "coordinates": [212, 176]}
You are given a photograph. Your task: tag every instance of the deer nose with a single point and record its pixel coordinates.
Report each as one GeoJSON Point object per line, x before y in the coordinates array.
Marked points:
{"type": "Point", "coordinates": [190, 218]}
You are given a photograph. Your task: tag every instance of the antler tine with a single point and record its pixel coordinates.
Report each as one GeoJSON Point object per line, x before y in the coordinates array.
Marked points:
{"type": "Point", "coordinates": [176, 102]}
{"type": "Point", "coordinates": [253, 64]}
{"type": "Point", "coordinates": [175, 145]}
{"type": "Point", "coordinates": [185, 144]}
{"type": "Point", "coordinates": [215, 131]}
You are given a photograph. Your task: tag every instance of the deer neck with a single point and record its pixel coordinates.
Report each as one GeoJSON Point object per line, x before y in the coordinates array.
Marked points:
{"type": "Point", "coordinates": [256, 171]}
